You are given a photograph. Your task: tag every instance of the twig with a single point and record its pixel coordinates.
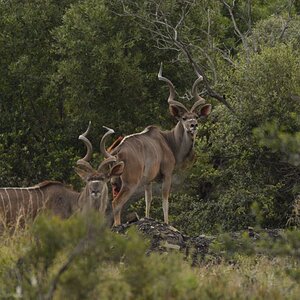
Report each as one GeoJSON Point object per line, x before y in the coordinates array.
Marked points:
{"type": "Point", "coordinates": [286, 25]}
{"type": "Point", "coordinates": [82, 245]}
{"type": "Point", "coordinates": [167, 37]}
{"type": "Point", "coordinates": [236, 28]}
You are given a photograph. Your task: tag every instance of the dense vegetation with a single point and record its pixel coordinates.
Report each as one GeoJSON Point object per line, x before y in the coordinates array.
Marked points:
{"type": "Point", "coordinates": [64, 63]}
{"type": "Point", "coordinates": [80, 259]}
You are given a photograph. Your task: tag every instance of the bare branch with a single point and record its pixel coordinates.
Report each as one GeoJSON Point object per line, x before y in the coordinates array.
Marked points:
{"type": "Point", "coordinates": [167, 37]}
{"type": "Point", "coordinates": [77, 250]}
{"type": "Point", "coordinates": [199, 70]}
{"type": "Point", "coordinates": [226, 55]}
{"type": "Point", "coordinates": [236, 28]}
{"type": "Point", "coordinates": [287, 22]}
{"type": "Point", "coordinates": [86, 242]}
{"type": "Point", "coordinates": [249, 14]}
{"type": "Point", "coordinates": [208, 28]}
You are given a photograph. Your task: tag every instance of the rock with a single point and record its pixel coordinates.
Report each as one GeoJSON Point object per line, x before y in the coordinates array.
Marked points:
{"type": "Point", "coordinates": [165, 238]}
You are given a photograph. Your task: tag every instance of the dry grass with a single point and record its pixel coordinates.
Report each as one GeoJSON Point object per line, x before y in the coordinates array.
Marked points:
{"type": "Point", "coordinates": [136, 276]}
{"type": "Point", "coordinates": [256, 277]}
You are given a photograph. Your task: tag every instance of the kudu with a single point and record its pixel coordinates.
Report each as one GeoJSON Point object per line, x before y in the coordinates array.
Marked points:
{"type": "Point", "coordinates": [18, 204]}
{"type": "Point", "coordinates": [153, 154]}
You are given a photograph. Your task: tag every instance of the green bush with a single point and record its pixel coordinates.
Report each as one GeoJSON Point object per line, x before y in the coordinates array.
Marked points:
{"type": "Point", "coordinates": [80, 258]}
{"type": "Point", "coordinates": [241, 159]}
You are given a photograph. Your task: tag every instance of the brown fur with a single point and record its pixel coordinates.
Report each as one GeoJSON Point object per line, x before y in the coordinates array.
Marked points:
{"type": "Point", "coordinates": [147, 156]}
{"type": "Point", "coordinates": [155, 153]}
{"type": "Point", "coordinates": [20, 204]}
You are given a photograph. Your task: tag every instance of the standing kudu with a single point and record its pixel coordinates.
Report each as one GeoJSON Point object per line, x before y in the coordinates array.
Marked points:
{"type": "Point", "coordinates": [18, 204]}
{"type": "Point", "coordinates": [154, 154]}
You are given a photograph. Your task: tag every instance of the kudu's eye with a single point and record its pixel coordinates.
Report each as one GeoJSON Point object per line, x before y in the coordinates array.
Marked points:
{"type": "Point", "coordinates": [183, 118]}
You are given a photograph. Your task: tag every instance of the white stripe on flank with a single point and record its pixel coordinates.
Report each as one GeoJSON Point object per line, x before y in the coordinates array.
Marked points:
{"type": "Point", "coordinates": [9, 202]}
{"type": "Point", "coordinates": [134, 134]}
{"type": "Point", "coordinates": [3, 204]}
{"type": "Point", "coordinates": [17, 200]}
{"type": "Point", "coordinates": [21, 208]}
{"type": "Point", "coordinates": [23, 201]}
{"type": "Point", "coordinates": [31, 202]}
{"type": "Point", "coordinates": [40, 199]}
{"type": "Point", "coordinates": [21, 188]}
{"type": "Point", "coordinates": [43, 195]}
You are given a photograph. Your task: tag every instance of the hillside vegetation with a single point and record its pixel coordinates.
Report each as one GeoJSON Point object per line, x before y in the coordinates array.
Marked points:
{"type": "Point", "coordinates": [64, 63]}
{"type": "Point", "coordinates": [80, 259]}
{"type": "Point", "coordinates": [67, 62]}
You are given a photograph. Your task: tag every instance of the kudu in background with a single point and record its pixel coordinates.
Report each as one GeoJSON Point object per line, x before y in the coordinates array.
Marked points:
{"type": "Point", "coordinates": [153, 154]}
{"type": "Point", "coordinates": [19, 204]}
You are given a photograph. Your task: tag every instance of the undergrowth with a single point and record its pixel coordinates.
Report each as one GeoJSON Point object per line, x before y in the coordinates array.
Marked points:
{"type": "Point", "coordinates": [81, 258]}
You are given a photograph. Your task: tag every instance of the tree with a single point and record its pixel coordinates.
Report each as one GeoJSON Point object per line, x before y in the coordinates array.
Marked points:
{"type": "Point", "coordinates": [242, 176]}
{"type": "Point", "coordinates": [30, 126]}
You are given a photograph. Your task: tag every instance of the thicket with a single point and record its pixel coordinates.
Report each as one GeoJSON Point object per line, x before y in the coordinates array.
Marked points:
{"type": "Point", "coordinates": [80, 259]}
{"type": "Point", "coordinates": [64, 63]}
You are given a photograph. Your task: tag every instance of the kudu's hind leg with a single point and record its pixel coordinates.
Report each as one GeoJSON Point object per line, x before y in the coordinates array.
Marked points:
{"type": "Point", "coordinates": [148, 198]}
{"type": "Point", "coordinates": [119, 202]}
{"type": "Point", "coordinates": [166, 187]}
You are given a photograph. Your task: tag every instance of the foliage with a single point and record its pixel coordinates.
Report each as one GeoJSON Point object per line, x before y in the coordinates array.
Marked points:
{"type": "Point", "coordinates": [30, 133]}
{"type": "Point", "coordinates": [243, 159]}
{"type": "Point", "coordinates": [64, 63]}
{"type": "Point", "coordinates": [274, 30]}
{"type": "Point", "coordinates": [81, 258]}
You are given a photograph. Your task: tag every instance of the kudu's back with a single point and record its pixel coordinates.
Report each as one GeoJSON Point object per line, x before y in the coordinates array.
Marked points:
{"type": "Point", "coordinates": [20, 204]}
{"type": "Point", "coordinates": [144, 154]}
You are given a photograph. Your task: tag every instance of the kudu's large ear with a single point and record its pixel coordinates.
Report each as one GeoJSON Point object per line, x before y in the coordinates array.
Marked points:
{"type": "Point", "coordinates": [204, 111]}
{"type": "Point", "coordinates": [117, 169]}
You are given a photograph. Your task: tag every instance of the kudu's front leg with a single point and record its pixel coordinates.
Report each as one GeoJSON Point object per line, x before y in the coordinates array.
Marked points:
{"type": "Point", "coordinates": [119, 202]}
{"type": "Point", "coordinates": [166, 187]}
{"type": "Point", "coordinates": [148, 198]}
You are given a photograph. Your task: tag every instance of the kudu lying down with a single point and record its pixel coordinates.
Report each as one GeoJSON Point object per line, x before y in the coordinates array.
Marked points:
{"type": "Point", "coordinates": [19, 204]}
{"type": "Point", "coordinates": [153, 154]}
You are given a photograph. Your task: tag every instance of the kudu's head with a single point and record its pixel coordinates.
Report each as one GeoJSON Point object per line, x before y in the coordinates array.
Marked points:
{"type": "Point", "coordinates": [187, 117]}
{"type": "Point", "coordinates": [95, 192]}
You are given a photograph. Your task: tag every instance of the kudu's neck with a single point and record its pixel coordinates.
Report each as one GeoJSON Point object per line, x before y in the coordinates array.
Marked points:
{"type": "Point", "coordinates": [83, 201]}
{"type": "Point", "coordinates": [181, 143]}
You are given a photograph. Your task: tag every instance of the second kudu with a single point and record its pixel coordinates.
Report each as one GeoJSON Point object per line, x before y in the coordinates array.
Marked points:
{"type": "Point", "coordinates": [153, 153]}
{"type": "Point", "coordinates": [18, 204]}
